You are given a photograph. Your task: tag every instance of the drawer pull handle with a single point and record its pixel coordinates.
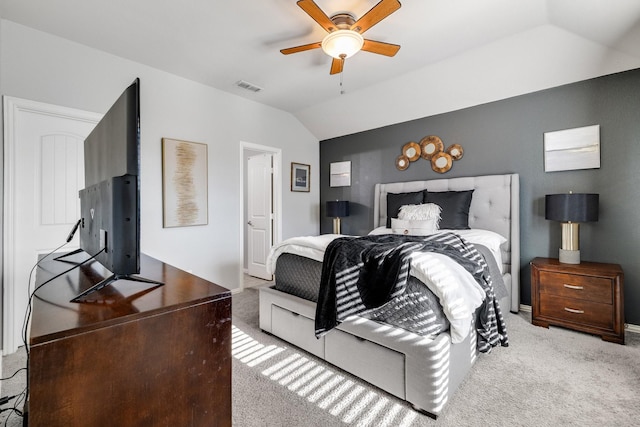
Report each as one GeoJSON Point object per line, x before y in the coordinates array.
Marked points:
{"type": "Point", "coordinates": [573, 286]}
{"type": "Point", "coordinates": [573, 310]}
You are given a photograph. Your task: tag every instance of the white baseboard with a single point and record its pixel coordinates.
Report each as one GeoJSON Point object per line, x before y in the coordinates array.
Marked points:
{"type": "Point", "coordinates": [630, 327]}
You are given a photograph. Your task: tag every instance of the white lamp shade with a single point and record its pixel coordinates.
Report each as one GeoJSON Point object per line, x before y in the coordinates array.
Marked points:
{"type": "Point", "coordinates": [342, 42]}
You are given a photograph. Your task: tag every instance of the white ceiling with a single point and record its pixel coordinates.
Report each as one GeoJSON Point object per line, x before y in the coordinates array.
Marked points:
{"type": "Point", "coordinates": [455, 53]}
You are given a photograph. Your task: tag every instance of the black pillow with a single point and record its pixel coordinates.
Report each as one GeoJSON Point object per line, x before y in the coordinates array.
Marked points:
{"type": "Point", "coordinates": [455, 208]}
{"type": "Point", "coordinates": [396, 200]}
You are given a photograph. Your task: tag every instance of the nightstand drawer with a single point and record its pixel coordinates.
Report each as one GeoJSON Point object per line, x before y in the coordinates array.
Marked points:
{"type": "Point", "coordinates": [590, 288]}
{"type": "Point", "coordinates": [576, 311]}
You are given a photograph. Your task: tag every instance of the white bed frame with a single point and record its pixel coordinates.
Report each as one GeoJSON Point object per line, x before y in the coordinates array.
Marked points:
{"type": "Point", "coordinates": [423, 371]}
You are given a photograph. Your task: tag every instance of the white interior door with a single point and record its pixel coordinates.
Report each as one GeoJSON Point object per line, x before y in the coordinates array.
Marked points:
{"type": "Point", "coordinates": [259, 214]}
{"type": "Point", "coordinates": [44, 170]}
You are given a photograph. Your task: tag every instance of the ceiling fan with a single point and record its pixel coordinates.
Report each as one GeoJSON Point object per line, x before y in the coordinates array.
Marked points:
{"type": "Point", "coordinates": [345, 33]}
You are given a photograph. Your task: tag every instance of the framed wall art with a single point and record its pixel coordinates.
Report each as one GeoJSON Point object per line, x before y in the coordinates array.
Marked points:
{"type": "Point", "coordinates": [572, 149]}
{"type": "Point", "coordinates": [340, 174]}
{"type": "Point", "coordinates": [184, 183]}
{"type": "Point", "coordinates": [300, 177]}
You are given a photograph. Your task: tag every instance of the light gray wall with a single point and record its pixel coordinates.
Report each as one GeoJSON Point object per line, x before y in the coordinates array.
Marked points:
{"type": "Point", "coordinates": [507, 136]}
{"type": "Point", "coordinates": [45, 68]}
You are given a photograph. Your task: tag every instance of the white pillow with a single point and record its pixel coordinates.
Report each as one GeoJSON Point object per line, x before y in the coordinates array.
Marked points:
{"type": "Point", "coordinates": [422, 211]}
{"type": "Point", "coordinates": [490, 239]}
{"type": "Point", "coordinates": [380, 230]}
{"type": "Point", "coordinates": [414, 227]}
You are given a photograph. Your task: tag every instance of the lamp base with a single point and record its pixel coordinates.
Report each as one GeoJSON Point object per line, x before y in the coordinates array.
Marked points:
{"type": "Point", "coordinates": [336, 225]}
{"type": "Point", "coordinates": [569, 257]}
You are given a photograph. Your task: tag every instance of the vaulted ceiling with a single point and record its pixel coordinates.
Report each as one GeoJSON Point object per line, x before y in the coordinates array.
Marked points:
{"type": "Point", "coordinates": [454, 54]}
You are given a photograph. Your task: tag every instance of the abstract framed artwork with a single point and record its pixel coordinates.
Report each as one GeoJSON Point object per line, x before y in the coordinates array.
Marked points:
{"type": "Point", "coordinates": [572, 149]}
{"type": "Point", "coordinates": [184, 183]}
{"type": "Point", "coordinates": [340, 174]}
{"type": "Point", "coordinates": [300, 177]}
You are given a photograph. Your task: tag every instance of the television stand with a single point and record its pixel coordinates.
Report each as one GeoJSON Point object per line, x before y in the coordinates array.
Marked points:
{"type": "Point", "coordinates": [68, 254]}
{"type": "Point", "coordinates": [111, 279]}
{"type": "Point", "coordinates": [159, 357]}
{"type": "Point", "coordinates": [105, 282]}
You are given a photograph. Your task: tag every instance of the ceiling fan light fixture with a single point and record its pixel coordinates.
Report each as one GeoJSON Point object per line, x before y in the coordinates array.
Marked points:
{"type": "Point", "coordinates": [342, 43]}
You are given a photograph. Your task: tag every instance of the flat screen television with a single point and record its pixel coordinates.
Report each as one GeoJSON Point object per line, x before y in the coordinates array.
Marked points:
{"type": "Point", "coordinates": [110, 202]}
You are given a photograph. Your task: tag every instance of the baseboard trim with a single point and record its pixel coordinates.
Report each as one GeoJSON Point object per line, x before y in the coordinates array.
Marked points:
{"type": "Point", "coordinates": [630, 327]}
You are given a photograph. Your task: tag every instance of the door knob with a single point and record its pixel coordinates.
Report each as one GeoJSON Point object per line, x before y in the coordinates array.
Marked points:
{"type": "Point", "coordinates": [249, 223]}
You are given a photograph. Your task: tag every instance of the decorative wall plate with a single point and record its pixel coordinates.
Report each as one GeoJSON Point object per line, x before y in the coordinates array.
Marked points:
{"type": "Point", "coordinates": [455, 151]}
{"type": "Point", "coordinates": [402, 162]}
{"type": "Point", "coordinates": [430, 145]}
{"type": "Point", "coordinates": [411, 150]}
{"type": "Point", "coordinates": [441, 162]}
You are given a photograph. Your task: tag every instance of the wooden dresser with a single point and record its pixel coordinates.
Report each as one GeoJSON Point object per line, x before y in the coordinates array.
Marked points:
{"type": "Point", "coordinates": [133, 354]}
{"type": "Point", "coordinates": [586, 297]}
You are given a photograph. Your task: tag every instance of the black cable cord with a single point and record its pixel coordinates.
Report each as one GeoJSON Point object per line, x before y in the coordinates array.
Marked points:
{"type": "Point", "coordinates": [13, 410]}
{"type": "Point", "coordinates": [21, 397]}
{"type": "Point", "coordinates": [28, 311]}
{"type": "Point", "coordinates": [24, 340]}
{"type": "Point", "coordinates": [30, 302]}
{"type": "Point", "coordinates": [5, 399]}
{"type": "Point", "coordinates": [13, 375]}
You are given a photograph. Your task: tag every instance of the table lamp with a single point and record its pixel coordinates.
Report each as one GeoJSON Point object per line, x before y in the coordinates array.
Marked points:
{"type": "Point", "coordinates": [337, 210]}
{"type": "Point", "coordinates": [571, 209]}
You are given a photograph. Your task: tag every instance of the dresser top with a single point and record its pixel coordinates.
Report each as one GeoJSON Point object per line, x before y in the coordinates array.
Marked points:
{"type": "Point", "coordinates": [54, 316]}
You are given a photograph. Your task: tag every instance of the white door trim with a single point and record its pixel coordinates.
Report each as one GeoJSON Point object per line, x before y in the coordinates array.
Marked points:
{"type": "Point", "coordinates": [277, 197]}
{"type": "Point", "coordinates": [12, 107]}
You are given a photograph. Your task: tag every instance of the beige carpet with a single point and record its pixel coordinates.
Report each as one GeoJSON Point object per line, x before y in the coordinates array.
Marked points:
{"type": "Point", "coordinates": [547, 377]}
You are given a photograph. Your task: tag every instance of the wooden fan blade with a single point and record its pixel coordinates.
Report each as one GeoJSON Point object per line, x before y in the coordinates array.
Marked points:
{"type": "Point", "coordinates": [314, 11]}
{"type": "Point", "coordinates": [376, 14]}
{"type": "Point", "coordinates": [302, 48]}
{"type": "Point", "coordinates": [336, 66]}
{"type": "Point", "coordinates": [380, 48]}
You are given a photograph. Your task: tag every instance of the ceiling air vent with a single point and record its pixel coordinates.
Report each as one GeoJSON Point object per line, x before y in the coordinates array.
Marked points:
{"type": "Point", "coordinates": [248, 86]}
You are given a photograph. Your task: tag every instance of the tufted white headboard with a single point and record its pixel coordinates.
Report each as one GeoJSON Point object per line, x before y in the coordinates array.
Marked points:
{"type": "Point", "coordinates": [495, 206]}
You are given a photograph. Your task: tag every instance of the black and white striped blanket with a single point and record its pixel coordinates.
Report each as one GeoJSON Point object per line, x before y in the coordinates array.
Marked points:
{"type": "Point", "coordinates": [362, 273]}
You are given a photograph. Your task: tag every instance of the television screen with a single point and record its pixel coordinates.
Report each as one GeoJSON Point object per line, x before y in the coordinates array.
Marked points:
{"type": "Point", "coordinates": [113, 147]}
{"type": "Point", "coordinates": [110, 201]}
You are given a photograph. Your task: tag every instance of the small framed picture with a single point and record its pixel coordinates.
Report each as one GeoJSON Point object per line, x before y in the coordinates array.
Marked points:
{"type": "Point", "coordinates": [300, 177]}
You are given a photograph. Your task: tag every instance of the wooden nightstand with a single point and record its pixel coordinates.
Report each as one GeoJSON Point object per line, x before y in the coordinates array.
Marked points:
{"type": "Point", "coordinates": [585, 297]}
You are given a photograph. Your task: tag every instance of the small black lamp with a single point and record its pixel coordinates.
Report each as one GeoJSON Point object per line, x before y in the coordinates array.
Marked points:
{"type": "Point", "coordinates": [571, 209]}
{"type": "Point", "coordinates": [337, 210]}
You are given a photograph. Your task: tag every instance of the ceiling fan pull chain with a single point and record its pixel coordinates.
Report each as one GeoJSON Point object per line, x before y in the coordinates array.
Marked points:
{"type": "Point", "coordinates": [342, 58]}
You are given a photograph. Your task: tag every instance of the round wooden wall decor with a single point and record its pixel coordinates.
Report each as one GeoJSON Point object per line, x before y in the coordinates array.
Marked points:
{"type": "Point", "coordinates": [455, 151]}
{"type": "Point", "coordinates": [411, 150]}
{"type": "Point", "coordinates": [441, 162]}
{"type": "Point", "coordinates": [430, 145]}
{"type": "Point", "coordinates": [402, 162]}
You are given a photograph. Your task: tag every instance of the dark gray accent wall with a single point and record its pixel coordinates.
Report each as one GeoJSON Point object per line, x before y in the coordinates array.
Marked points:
{"type": "Point", "coordinates": [505, 137]}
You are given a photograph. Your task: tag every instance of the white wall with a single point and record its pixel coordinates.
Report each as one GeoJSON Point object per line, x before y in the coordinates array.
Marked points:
{"type": "Point", "coordinates": [45, 68]}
